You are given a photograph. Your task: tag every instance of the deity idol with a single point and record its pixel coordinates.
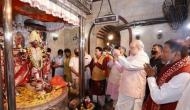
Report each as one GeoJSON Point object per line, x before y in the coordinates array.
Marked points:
{"type": "Point", "coordinates": [19, 40]}
{"type": "Point", "coordinates": [21, 64]}
{"type": "Point", "coordinates": [34, 66]}
{"type": "Point", "coordinates": [35, 53]}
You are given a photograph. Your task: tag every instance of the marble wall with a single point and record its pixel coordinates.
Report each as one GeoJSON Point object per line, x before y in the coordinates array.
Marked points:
{"type": "Point", "coordinates": [67, 38]}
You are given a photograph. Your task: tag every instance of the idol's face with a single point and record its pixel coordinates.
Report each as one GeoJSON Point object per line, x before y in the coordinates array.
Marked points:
{"type": "Point", "coordinates": [34, 44]}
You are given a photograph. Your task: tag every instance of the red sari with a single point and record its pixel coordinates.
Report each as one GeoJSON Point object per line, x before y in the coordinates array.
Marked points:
{"type": "Point", "coordinates": [167, 73]}
{"type": "Point", "coordinates": [23, 74]}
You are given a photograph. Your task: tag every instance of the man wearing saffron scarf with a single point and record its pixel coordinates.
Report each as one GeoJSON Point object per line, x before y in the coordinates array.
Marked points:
{"type": "Point", "coordinates": [99, 74]}
{"type": "Point", "coordinates": [166, 90]}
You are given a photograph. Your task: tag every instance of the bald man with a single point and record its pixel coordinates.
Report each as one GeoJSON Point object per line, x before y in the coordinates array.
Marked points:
{"type": "Point", "coordinates": [133, 78]}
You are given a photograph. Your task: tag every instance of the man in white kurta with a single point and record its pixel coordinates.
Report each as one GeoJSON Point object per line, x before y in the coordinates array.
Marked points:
{"type": "Point", "coordinates": [58, 63]}
{"type": "Point", "coordinates": [133, 78]}
{"type": "Point", "coordinates": [168, 87]}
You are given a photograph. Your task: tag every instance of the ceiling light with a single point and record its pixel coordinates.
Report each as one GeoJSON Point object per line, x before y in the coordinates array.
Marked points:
{"type": "Point", "coordinates": [110, 37]}
{"type": "Point", "coordinates": [187, 38]}
{"type": "Point", "coordinates": [54, 34]}
{"type": "Point", "coordinates": [188, 26]}
{"type": "Point", "coordinates": [107, 43]}
{"type": "Point", "coordinates": [160, 31]}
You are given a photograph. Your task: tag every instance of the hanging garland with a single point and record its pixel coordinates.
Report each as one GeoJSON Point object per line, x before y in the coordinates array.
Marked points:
{"type": "Point", "coordinates": [35, 63]}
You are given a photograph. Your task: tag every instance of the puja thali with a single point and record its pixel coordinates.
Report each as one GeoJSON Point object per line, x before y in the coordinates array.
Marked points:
{"type": "Point", "coordinates": [29, 99]}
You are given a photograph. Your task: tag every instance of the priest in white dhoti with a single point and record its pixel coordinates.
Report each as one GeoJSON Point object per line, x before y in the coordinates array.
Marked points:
{"type": "Point", "coordinates": [133, 78]}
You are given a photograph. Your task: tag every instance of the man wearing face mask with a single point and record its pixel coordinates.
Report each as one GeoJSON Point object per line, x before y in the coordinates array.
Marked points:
{"type": "Point", "coordinates": [155, 60]}
{"type": "Point", "coordinates": [168, 87]}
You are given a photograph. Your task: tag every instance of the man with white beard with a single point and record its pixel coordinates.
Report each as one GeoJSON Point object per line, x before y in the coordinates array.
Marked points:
{"type": "Point", "coordinates": [133, 78]}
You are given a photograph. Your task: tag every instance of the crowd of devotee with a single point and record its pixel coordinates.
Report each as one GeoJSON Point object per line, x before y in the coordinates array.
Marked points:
{"type": "Point", "coordinates": [94, 55]}
{"type": "Point", "coordinates": [115, 78]}
{"type": "Point", "coordinates": [120, 79]}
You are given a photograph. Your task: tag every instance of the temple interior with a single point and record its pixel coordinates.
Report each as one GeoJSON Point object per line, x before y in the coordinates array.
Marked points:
{"type": "Point", "coordinates": [93, 54]}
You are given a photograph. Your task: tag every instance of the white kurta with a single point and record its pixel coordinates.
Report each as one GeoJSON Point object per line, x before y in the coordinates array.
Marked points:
{"type": "Point", "coordinates": [133, 79]}
{"type": "Point", "coordinates": [183, 103]}
{"type": "Point", "coordinates": [74, 63]}
{"type": "Point", "coordinates": [168, 92]}
{"type": "Point", "coordinates": [132, 82]}
{"type": "Point", "coordinates": [87, 72]}
{"type": "Point", "coordinates": [59, 61]}
{"type": "Point", "coordinates": [113, 80]}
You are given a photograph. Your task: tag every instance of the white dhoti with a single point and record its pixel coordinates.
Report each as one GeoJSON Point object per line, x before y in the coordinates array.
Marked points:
{"type": "Point", "coordinates": [128, 103]}
{"type": "Point", "coordinates": [87, 76]}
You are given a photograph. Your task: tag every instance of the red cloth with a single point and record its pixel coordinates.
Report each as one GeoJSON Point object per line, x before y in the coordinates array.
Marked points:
{"type": "Point", "coordinates": [104, 65]}
{"type": "Point", "coordinates": [106, 60]}
{"type": "Point", "coordinates": [58, 81]}
{"type": "Point", "coordinates": [98, 87]}
{"type": "Point", "coordinates": [46, 67]}
{"type": "Point", "coordinates": [167, 73]}
{"type": "Point", "coordinates": [23, 75]}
